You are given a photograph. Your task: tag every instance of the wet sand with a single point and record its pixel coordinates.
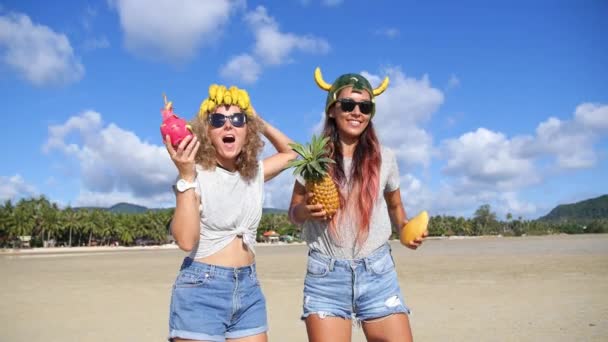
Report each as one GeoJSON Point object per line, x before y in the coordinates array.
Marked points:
{"type": "Point", "coordinates": [550, 288]}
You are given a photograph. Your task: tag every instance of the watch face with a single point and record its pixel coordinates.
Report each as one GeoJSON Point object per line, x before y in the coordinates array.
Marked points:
{"type": "Point", "coordinates": [182, 185]}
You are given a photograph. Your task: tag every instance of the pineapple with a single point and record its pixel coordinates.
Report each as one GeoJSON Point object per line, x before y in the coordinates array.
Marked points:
{"type": "Point", "coordinates": [313, 167]}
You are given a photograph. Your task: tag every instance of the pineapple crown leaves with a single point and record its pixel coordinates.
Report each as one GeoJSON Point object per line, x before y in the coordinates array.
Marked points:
{"type": "Point", "coordinates": [314, 162]}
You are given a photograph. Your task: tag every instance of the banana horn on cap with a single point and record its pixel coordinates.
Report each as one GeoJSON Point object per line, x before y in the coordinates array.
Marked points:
{"type": "Point", "coordinates": [319, 79]}
{"type": "Point", "coordinates": [382, 87]}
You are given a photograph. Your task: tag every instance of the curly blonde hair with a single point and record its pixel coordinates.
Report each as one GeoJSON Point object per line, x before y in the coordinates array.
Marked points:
{"type": "Point", "coordinates": [246, 161]}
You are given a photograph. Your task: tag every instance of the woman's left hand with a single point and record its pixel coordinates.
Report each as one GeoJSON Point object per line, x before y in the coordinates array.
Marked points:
{"type": "Point", "coordinates": [417, 242]}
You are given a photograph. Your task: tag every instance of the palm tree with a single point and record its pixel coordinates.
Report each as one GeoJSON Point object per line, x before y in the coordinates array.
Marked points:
{"type": "Point", "coordinates": [7, 221]}
{"type": "Point", "coordinates": [485, 219]}
{"type": "Point", "coordinates": [71, 221]}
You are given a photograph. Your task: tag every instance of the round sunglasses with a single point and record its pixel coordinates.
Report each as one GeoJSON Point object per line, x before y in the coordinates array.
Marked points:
{"type": "Point", "coordinates": [348, 105]}
{"type": "Point", "coordinates": [218, 120]}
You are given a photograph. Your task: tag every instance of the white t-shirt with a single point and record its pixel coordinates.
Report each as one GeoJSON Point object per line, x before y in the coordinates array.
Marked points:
{"type": "Point", "coordinates": [230, 206]}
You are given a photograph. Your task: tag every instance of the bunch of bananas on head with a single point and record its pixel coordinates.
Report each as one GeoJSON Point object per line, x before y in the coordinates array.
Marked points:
{"type": "Point", "coordinates": [220, 95]}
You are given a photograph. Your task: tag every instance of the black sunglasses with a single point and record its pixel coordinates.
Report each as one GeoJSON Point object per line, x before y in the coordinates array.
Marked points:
{"type": "Point", "coordinates": [348, 105]}
{"type": "Point", "coordinates": [218, 120]}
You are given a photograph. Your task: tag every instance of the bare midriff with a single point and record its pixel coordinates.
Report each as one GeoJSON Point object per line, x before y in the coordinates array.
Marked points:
{"type": "Point", "coordinates": [236, 254]}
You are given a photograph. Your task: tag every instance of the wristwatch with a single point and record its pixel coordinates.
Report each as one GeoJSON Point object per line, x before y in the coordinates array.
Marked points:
{"type": "Point", "coordinates": [183, 185]}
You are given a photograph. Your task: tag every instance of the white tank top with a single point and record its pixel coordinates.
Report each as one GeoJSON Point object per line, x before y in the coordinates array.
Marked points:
{"type": "Point", "coordinates": [230, 206]}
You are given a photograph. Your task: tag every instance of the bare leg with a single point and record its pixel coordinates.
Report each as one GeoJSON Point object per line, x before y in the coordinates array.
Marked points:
{"type": "Point", "coordinates": [392, 328]}
{"type": "Point", "coordinates": [328, 329]}
{"type": "Point", "coordinates": [255, 338]}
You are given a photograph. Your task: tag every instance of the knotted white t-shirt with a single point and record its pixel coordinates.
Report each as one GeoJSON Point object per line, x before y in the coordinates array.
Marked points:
{"type": "Point", "coordinates": [230, 207]}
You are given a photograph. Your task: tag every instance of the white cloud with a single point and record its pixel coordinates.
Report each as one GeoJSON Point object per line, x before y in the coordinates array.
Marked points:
{"type": "Point", "coordinates": [488, 159]}
{"type": "Point", "coordinates": [390, 32]}
{"type": "Point", "coordinates": [274, 46]}
{"type": "Point", "coordinates": [571, 142]}
{"type": "Point", "coordinates": [566, 141]}
{"type": "Point", "coordinates": [96, 43]}
{"type": "Point", "coordinates": [592, 116]}
{"type": "Point", "coordinates": [277, 191]}
{"type": "Point", "coordinates": [327, 3]}
{"type": "Point", "coordinates": [453, 82]}
{"type": "Point", "coordinates": [87, 19]}
{"type": "Point", "coordinates": [453, 199]}
{"type": "Point", "coordinates": [37, 53]}
{"type": "Point", "coordinates": [403, 109]}
{"type": "Point", "coordinates": [114, 162]}
{"type": "Point", "coordinates": [170, 30]}
{"type": "Point", "coordinates": [15, 187]}
{"type": "Point", "coordinates": [242, 67]}
{"type": "Point", "coordinates": [487, 167]}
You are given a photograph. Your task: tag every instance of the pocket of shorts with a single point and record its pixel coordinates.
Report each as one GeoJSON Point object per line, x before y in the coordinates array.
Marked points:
{"type": "Point", "coordinates": [383, 265]}
{"type": "Point", "coordinates": [188, 278]}
{"type": "Point", "coordinates": [316, 268]}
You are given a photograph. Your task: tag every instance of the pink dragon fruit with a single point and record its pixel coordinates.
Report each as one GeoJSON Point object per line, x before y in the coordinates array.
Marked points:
{"type": "Point", "coordinates": [173, 126]}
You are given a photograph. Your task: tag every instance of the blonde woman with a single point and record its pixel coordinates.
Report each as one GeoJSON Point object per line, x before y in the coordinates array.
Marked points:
{"type": "Point", "coordinates": [219, 197]}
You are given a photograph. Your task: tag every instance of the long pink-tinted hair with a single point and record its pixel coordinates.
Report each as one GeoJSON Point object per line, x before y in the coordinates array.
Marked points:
{"type": "Point", "coordinates": [364, 176]}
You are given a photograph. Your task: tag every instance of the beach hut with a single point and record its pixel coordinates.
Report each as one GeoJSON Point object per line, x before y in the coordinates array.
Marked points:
{"type": "Point", "coordinates": [271, 236]}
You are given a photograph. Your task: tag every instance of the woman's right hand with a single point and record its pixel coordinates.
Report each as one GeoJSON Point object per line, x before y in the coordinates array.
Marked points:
{"type": "Point", "coordinates": [313, 211]}
{"type": "Point", "coordinates": [184, 156]}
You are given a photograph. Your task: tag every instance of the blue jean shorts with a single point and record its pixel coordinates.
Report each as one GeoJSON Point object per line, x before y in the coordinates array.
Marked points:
{"type": "Point", "coordinates": [213, 303]}
{"type": "Point", "coordinates": [359, 289]}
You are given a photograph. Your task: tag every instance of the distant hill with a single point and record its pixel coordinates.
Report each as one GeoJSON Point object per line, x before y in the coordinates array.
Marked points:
{"type": "Point", "coordinates": [123, 208]}
{"type": "Point", "coordinates": [587, 210]}
{"type": "Point", "coordinates": [128, 208]}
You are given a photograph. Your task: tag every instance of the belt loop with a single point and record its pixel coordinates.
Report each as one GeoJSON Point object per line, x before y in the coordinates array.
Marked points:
{"type": "Point", "coordinates": [367, 264]}
{"type": "Point", "coordinates": [332, 261]}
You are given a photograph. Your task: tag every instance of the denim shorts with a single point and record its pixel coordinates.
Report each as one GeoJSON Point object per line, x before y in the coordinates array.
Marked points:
{"type": "Point", "coordinates": [212, 303]}
{"type": "Point", "coordinates": [359, 289]}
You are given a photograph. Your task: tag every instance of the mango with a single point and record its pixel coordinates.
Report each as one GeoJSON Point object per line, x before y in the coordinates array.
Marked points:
{"type": "Point", "coordinates": [414, 228]}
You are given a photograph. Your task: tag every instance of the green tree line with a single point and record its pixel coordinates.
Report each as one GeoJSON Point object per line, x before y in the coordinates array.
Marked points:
{"type": "Point", "coordinates": [45, 222]}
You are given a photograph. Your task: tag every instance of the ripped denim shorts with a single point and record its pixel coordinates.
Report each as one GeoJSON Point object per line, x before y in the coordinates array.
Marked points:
{"type": "Point", "coordinates": [360, 289]}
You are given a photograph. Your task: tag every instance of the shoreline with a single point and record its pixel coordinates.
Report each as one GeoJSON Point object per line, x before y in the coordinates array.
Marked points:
{"type": "Point", "coordinates": [98, 249]}
{"type": "Point", "coordinates": [88, 249]}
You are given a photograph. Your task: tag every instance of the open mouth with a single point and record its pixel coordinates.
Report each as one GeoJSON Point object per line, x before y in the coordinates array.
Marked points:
{"type": "Point", "coordinates": [229, 139]}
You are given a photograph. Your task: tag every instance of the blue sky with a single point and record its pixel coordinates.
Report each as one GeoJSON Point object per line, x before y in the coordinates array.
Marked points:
{"type": "Point", "coordinates": [503, 103]}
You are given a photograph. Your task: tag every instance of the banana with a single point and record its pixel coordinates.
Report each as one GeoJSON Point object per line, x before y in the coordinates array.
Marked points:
{"type": "Point", "coordinates": [212, 90]}
{"type": "Point", "coordinates": [246, 100]}
{"type": "Point", "coordinates": [203, 109]}
{"type": "Point", "coordinates": [228, 98]}
{"type": "Point", "coordinates": [240, 100]}
{"type": "Point", "coordinates": [211, 105]}
{"type": "Point", "coordinates": [319, 80]}
{"type": "Point", "coordinates": [219, 94]}
{"type": "Point", "coordinates": [234, 92]}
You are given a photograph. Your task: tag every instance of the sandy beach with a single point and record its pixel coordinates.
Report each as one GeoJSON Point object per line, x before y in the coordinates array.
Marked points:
{"type": "Point", "coordinates": [549, 288]}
